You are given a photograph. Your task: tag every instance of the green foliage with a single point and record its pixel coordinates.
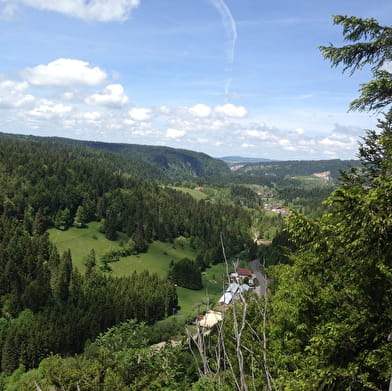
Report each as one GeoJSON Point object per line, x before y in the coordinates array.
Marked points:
{"type": "Point", "coordinates": [62, 219]}
{"type": "Point", "coordinates": [332, 309]}
{"type": "Point", "coordinates": [43, 299]}
{"type": "Point", "coordinates": [80, 219]}
{"type": "Point", "coordinates": [245, 196]}
{"type": "Point", "coordinates": [276, 252]}
{"type": "Point", "coordinates": [369, 44]}
{"type": "Point", "coordinates": [283, 172]}
{"type": "Point", "coordinates": [149, 162]}
{"type": "Point", "coordinates": [118, 360]}
{"type": "Point", "coordinates": [186, 273]}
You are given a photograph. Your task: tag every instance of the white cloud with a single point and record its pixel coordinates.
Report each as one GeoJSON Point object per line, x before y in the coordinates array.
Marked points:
{"type": "Point", "coordinates": [92, 117]}
{"type": "Point", "coordinates": [200, 110]}
{"type": "Point", "coordinates": [142, 132]}
{"type": "Point", "coordinates": [68, 95]}
{"type": "Point", "coordinates": [339, 142]}
{"type": "Point", "coordinates": [174, 133]}
{"type": "Point", "coordinates": [112, 95]}
{"type": "Point", "coordinates": [231, 110]}
{"type": "Point", "coordinates": [218, 124]}
{"type": "Point", "coordinates": [64, 72]}
{"type": "Point", "coordinates": [8, 11]}
{"type": "Point", "coordinates": [93, 10]}
{"type": "Point", "coordinates": [287, 145]}
{"type": "Point", "coordinates": [49, 110]}
{"type": "Point", "coordinates": [165, 110]}
{"type": "Point", "coordinates": [260, 134]}
{"type": "Point", "coordinates": [202, 140]}
{"type": "Point", "coordinates": [140, 113]}
{"type": "Point", "coordinates": [12, 94]}
{"type": "Point", "coordinates": [246, 145]}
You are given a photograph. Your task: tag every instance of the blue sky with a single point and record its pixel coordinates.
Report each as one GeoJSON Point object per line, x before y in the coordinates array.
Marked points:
{"type": "Point", "coordinates": [233, 77]}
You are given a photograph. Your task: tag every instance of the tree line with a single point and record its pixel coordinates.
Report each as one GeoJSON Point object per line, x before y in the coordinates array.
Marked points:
{"type": "Point", "coordinates": [48, 306]}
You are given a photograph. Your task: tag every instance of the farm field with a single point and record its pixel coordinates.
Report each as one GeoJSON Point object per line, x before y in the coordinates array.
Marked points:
{"type": "Point", "coordinates": [196, 194]}
{"type": "Point", "coordinates": [156, 260]}
{"type": "Point", "coordinates": [80, 241]}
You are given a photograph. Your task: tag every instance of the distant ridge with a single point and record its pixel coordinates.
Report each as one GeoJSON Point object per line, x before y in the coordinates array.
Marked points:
{"type": "Point", "coordinates": [173, 162]}
{"type": "Point", "coordinates": [294, 167]}
{"type": "Point", "coordinates": [240, 159]}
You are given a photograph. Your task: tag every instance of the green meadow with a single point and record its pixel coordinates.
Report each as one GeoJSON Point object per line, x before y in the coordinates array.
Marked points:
{"type": "Point", "coordinates": [156, 260]}
{"type": "Point", "coordinates": [196, 194]}
{"type": "Point", "coordinates": [192, 302]}
{"type": "Point", "coordinates": [311, 181]}
{"type": "Point", "coordinates": [80, 241]}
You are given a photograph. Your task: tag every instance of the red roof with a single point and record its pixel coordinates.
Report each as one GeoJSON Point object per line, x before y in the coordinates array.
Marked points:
{"type": "Point", "coordinates": [244, 272]}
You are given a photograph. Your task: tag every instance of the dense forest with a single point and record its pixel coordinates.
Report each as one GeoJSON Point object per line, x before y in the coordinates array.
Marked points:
{"type": "Point", "coordinates": [323, 321]}
{"type": "Point", "coordinates": [294, 168]}
{"type": "Point", "coordinates": [159, 161]}
{"type": "Point", "coordinates": [46, 184]}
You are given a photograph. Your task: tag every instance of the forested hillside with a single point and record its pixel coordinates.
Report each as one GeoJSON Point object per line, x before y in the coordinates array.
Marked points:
{"type": "Point", "coordinates": [294, 168]}
{"type": "Point", "coordinates": [162, 161]}
{"type": "Point", "coordinates": [322, 319]}
{"type": "Point", "coordinates": [43, 299]}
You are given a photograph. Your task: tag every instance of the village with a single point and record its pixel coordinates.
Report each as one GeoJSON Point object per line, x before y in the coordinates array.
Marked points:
{"type": "Point", "coordinates": [241, 281]}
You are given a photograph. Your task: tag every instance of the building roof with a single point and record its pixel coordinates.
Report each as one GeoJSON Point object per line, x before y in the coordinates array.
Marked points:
{"type": "Point", "coordinates": [211, 318]}
{"type": "Point", "coordinates": [244, 272]}
{"type": "Point", "coordinates": [244, 288]}
{"type": "Point", "coordinates": [226, 298]}
{"type": "Point", "coordinates": [233, 287]}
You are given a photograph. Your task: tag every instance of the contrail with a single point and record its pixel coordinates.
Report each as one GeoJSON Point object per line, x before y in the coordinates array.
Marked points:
{"type": "Point", "coordinates": [227, 89]}
{"type": "Point", "coordinates": [229, 25]}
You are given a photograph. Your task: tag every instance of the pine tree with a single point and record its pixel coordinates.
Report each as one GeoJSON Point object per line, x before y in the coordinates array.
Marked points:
{"type": "Point", "coordinates": [39, 223]}
{"type": "Point", "coordinates": [63, 276]}
{"type": "Point", "coordinates": [332, 308]}
{"type": "Point", "coordinates": [80, 217]}
{"type": "Point", "coordinates": [370, 44]}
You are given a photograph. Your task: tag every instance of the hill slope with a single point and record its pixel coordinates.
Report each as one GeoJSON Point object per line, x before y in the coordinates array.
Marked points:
{"type": "Point", "coordinates": [174, 163]}
{"type": "Point", "coordinates": [294, 168]}
{"type": "Point", "coordinates": [241, 159]}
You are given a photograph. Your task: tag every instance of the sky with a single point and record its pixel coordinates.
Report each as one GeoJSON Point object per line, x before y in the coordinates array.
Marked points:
{"type": "Point", "coordinates": [224, 77]}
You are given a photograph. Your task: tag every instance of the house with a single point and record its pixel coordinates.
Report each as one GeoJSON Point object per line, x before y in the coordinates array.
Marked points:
{"type": "Point", "coordinates": [244, 288]}
{"type": "Point", "coordinates": [232, 292]}
{"type": "Point", "coordinates": [243, 272]}
{"type": "Point", "coordinates": [234, 276]}
{"type": "Point", "coordinates": [229, 294]}
{"type": "Point", "coordinates": [210, 319]}
{"type": "Point", "coordinates": [232, 288]}
{"type": "Point", "coordinates": [280, 210]}
{"type": "Point", "coordinates": [226, 298]}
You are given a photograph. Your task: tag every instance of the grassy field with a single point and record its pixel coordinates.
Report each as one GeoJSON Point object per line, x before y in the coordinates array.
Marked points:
{"type": "Point", "coordinates": [156, 260]}
{"type": "Point", "coordinates": [80, 241]}
{"type": "Point", "coordinates": [196, 194]}
{"type": "Point", "coordinates": [192, 302]}
{"type": "Point", "coordinates": [311, 181]}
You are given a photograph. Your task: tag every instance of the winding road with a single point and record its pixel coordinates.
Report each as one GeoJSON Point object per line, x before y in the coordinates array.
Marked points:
{"type": "Point", "coordinates": [263, 282]}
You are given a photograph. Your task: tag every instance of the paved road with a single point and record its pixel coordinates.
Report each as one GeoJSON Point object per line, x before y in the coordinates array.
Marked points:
{"type": "Point", "coordinates": [262, 288]}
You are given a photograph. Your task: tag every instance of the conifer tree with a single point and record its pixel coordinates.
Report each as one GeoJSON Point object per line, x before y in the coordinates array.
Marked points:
{"type": "Point", "coordinates": [332, 308]}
